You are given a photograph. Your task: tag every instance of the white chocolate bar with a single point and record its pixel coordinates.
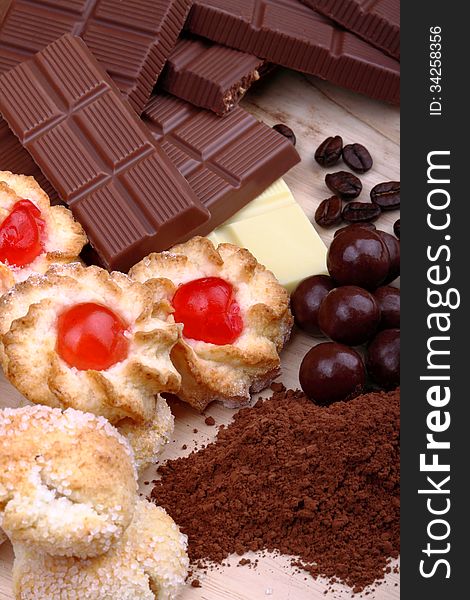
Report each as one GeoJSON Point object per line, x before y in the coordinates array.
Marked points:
{"type": "Point", "coordinates": [275, 229]}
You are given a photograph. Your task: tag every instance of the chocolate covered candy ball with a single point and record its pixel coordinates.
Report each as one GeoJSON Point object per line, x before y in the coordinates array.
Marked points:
{"type": "Point", "coordinates": [306, 300]}
{"type": "Point", "coordinates": [360, 257]}
{"type": "Point", "coordinates": [331, 372]}
{"type": "Point", "coordinates": [393, 247]}
{"type": "Point", "coordinates": [383, 358]}
{"type": "Point", "coordinates": [388, 299]}
{"type": "Point", "coordinates": [349, 314]}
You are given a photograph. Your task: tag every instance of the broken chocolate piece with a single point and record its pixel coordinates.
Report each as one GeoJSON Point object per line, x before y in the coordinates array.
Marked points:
{"type": "Point", "coordinates": [209, 75]}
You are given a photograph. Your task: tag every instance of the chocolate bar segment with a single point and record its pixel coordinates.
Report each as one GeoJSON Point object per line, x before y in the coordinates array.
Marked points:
{"type": "Point", "coordinates": [14, 158]}
{"type": "Point", "coordinates": [97, 154]}
{"type": "Point", "coordinates": [290, 34]}
{"type": "Point", "coordinates": [132, 39]}
{"type": "Point", "coordinates": [376, 22]}
{"type": "Point", "coordinates": [209, 75]}
{"type": "Point", "coordinates": [227, 162]}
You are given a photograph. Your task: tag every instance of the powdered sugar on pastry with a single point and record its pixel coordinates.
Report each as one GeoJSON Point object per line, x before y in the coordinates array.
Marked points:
{"type": "Point", "coordinates": [228, 372]}
{"type": "Point", "coordinates": [148, 439]}
{"type": "Point", "coordinates": [148, 563]}
{"type": "Point", "coordinates": [63, 237]}
{"type": "Point", "coordinates": [67, 481]}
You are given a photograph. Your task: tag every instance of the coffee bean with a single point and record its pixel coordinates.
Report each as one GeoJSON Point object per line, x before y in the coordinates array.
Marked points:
{"type": "Point", "coordinates": [356, 226]}
{"type": "Point", "coordinates": [345, 185]}
{"type": "Point", "coordinates": [357, 157]}
{"type": "Point", "coordinates": [396, 228]}
{"type": "Point", "coordinates": [329, 212]}
{"type": "Point", "coordinates": [355, 212]}
{"type": "Point", "coordinates": [286, 132]}
{"type": "Point", "coordinates": [386, 195]}
{"type": "Point", "coordinates": [329, 152]}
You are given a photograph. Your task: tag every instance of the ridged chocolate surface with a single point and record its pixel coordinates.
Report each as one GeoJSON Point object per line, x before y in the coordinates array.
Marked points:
{"type": "Point", "coordinates": [227, 162]}
{"type": "Point", "coordinates": [14, 158]}
{"type": "Point", "coordinates": [131, 38]}
{"type": "Point", "coordinates": [97, 154]}
{"type": "Point", "coordinates": [289, 33]}
{"type": "Point", "coordinates": [376, 21]}
{"type": "Point", "coordinates": [209, 75]}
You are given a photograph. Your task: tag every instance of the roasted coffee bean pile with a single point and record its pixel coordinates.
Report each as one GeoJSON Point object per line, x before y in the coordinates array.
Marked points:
{"type": "Point", "coordinates": [320, 484]}
{"type": "Point", "coordinates": [347, 186]}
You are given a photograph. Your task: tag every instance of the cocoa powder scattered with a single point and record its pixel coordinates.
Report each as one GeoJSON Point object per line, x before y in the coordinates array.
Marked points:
{"type": "Point", "coordinates": [320, 484]}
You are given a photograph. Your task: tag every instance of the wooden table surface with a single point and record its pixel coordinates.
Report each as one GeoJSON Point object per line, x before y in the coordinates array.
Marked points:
{"type": "Point", "coordinates": [314, 110]}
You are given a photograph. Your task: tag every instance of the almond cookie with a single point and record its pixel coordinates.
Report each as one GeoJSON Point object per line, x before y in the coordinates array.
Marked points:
{"type": "Point", "coordinates": [33, 234]}
{"type": "Point", "coordinates": [235, 317]}
{"type": "Point", "coordinates": [149, 438]}
{"type": "Point", "coordinates": [148, 563]}
{"type": "Point", "coordinates": [83, 338]}
{"type": "Point", "coordinates": [67, 481]}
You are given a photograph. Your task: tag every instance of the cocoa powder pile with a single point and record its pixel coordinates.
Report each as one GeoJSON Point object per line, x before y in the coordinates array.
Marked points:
{"type": "Point", "coordinates": [321, 484]}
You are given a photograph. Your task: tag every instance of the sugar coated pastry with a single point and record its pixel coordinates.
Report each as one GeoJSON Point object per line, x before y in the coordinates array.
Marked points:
{"type": "Point", "coordinates": [83, 338]}
{"type": "Point", "coordinates": [148, 563]}
{"type": "Point", "coordinates": [33, 234]}
{"type": "Point", "coordinates": [150, 437]}
{"type": "Point", "coordinates": [3, 537]}
{"type": "Point", "coordinates": [235, 316]}
{"type": "Point", "coordinates": [67, 481]}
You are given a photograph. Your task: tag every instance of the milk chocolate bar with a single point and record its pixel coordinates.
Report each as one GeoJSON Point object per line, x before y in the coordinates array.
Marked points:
{"type": "Point", "coordinates": [14, 158]}
{"type": "Point", "coordinates": [279, 234]}
{"type": "Point", "coordinates": [132, 39]}
{"type": "Point", "coordinates": [209, 75]}
{"type": "Point", "coordinates": [288, 33]}
{"type": "Point", "coordinates": [376, 22]}
{"type": "Point", "coordinates": [227, 162]}
{"type": "Point", "coordinates": [97, 154]}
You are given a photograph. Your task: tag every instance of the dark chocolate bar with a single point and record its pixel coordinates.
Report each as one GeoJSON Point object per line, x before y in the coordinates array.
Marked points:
{"type": "Point", "coordinates": [131, 38]}
{"type": "Point", "coordinates": [376, 22]}
{"type": "Point", "coordinates": [97, 154]}
{"type": "Point", "coordinates": [209, 75]}
{"type": "Point", "coordinates": [290, 34]}
{"type": "Point", "coordinates": [227, 162]}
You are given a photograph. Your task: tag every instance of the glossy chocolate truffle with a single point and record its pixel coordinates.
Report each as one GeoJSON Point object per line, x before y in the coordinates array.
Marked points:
{"type": "Point", "coordinates": [393, 247]}
{"type": "Point", "coordinates": [353, 226]}
{"type": "Point", "coordinates": [349, 314]}
{"type": "Point", "coordinates": [331, 372]}
{"type": "Point", "coordinates": [306, 300]}
{"type": "Point", "coordinates": [383, 358]}
{"type": "Point", "coordinates": [358, 257]}
{"type": "Point", "coordinates": [388, 299]}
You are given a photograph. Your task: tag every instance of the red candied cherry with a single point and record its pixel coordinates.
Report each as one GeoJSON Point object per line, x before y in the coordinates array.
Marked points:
{"type": "Point", "coordinates": [20, 235]}
{"type": "Point", "coordinates": [208, 310]}
{"type": "Point", "coordinates": [91, 336]}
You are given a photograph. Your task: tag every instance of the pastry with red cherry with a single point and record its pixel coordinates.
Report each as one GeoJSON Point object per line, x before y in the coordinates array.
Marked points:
{"type": "Point", "coordinates": [80, 337]}
{"type": "Point", "coordinates": [235, 317]}
{"type": "Point", "coordinates": [33, 234]}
